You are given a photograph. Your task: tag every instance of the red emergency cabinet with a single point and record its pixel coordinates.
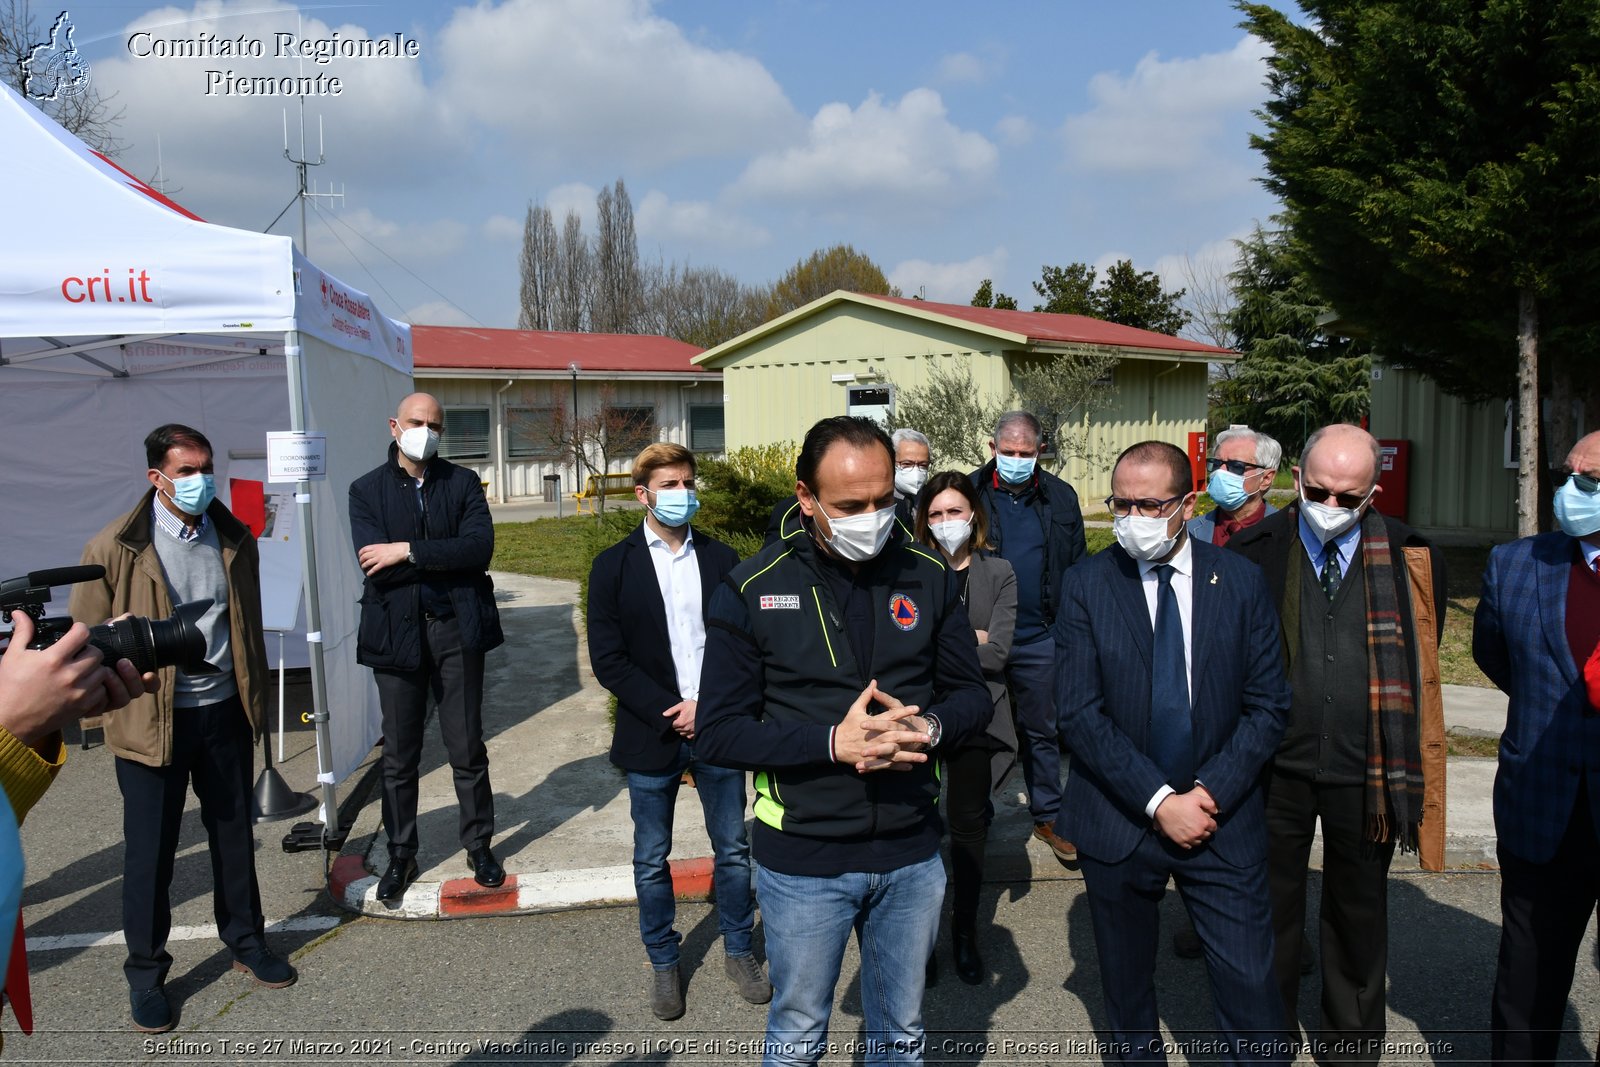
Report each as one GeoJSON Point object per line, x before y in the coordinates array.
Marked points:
{"type": "Point", "coordinates": [1394, 478]}
{"type": "Point", "coordinates": [1197, 460]}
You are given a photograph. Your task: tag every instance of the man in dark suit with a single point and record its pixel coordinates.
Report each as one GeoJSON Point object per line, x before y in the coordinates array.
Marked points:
{"type": "Point", "coordinates": [1170, 722]}
{"type": "Point", "coordinates": [1537, 636]}
{"type": "Point", "coordinates": [647, 635]}
{"type": "Point", "coordinates": [1347, 586]}
{"type": "Point", "coordinates": [912, 454]}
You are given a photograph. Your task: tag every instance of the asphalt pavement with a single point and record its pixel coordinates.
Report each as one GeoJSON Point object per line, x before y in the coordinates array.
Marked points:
{"type": "Point", "coordinates": [549, 967]}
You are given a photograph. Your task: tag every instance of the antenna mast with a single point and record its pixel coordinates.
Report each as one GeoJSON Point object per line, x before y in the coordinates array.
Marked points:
{"type": "Point", "coordinates": [305, 161]}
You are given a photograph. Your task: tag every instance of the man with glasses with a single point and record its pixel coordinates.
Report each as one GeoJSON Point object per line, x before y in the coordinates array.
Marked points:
{"type": "Point", "coordinates": [912, 455]}
{"type": "Point", "coordinates": [1341, 575]}
{"type": "Point", "coordinates": [1172, 695]}
{"type": "Point", "coordinates": [1242, 465]}
{"type": "Point", "coordinates": [1036, 526]}
{"type": "Point", "coordinates": [1537, 637]}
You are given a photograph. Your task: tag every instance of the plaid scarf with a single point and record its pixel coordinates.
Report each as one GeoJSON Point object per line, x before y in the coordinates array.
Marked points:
{"type": "Point", "coordinates": [1392, 791]}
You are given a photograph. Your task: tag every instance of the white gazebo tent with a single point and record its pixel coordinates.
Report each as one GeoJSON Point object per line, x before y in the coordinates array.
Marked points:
{"type": "Point", "coordinates": [120, 311]}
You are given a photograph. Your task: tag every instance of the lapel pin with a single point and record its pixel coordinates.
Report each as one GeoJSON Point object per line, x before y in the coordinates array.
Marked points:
{"type": "Point", "coordinates": [1213, 577]}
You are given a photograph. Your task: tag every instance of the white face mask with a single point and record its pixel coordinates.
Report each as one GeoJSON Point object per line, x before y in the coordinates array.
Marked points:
{"type": "Point", "coordinates": [909, 482]}
{"type": "Point", "coordinates": [1144, 538]}
{"type": "Point", "coordinates": [859, 538]}
{"type": "Point", "coordinates": [1326, 521]}
{"type": "Point", "coordinates": [951, 535]}
{"type": "Point", "coordinates": [419, 443]}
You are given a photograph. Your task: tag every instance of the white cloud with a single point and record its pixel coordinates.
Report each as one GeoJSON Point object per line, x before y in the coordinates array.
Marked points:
{"type": "Point", "coordinates": [438, 313]}
{"type": "Point", "coordinates": [948, 283]}
{"type": "Point", "coordinates": [573, 196]}
{"type": "Point", "coordinates": [1207, 264]}
{"type": "Point", "coordinates": [962, 67]}
{"type": "Point", "coordinates": [905, 151]}
{"type": "Point", "coordinates": [502, 228]}
{"type": "Point", "coordinates": [1014, 130]}
{"type": "Point", "coordinates": [360, 240]}
{"type": "Point", "coordinates": [699, 221]}
{"type": "Point", "coordinates": [606, 79]}
{"type": "Point", "coordinates": [1168, 114]}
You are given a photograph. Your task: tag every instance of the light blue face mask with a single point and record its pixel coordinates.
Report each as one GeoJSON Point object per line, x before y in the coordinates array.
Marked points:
{"type": "Point", "coordinates": [1576, 510]}
{"type": "Point", "coordinates": [193, 494]}
{"type": "Point", "coordinates": [1227, 489]}
{"type": "Point", "coordinates": [674, 507]}
{"type": "Point", "coordinates": [1015, 469]}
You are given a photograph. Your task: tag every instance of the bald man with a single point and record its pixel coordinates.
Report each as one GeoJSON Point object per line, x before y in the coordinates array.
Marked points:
{"type": "Point", "coordinates": [423, 537]}
{"type": "Point", "coordinates": [1351, 756]}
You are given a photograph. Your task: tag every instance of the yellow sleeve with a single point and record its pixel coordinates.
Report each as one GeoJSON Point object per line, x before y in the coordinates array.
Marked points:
{"type": "Point", "coordinates": [24, 773]}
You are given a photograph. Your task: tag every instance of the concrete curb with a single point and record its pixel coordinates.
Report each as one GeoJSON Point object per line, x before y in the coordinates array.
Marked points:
{"type": "Point", "coordinates": [352, 887]}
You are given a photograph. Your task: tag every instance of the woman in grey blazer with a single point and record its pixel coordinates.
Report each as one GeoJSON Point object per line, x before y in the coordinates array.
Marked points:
{"type": "Point", "coordinates": [950, 519]}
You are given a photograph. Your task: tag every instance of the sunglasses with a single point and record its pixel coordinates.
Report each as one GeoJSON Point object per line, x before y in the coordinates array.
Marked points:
{"type": "Point", "coordinates": [1588, 483]}
{"type": "Point", "coordinates": [1235, 466]}
{"type": "Point", "coordinates": [1343, 500]}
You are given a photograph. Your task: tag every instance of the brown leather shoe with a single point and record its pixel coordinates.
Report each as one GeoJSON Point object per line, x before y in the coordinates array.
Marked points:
{"type": "Point", "coordinates": [1065, 850]}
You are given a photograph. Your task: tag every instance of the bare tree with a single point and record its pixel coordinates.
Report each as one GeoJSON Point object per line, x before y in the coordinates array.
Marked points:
{"type": "Point", "coordinates": [700, 305]}
{"type": "Point", "coordinates": [540, 266]}
{"type": "Point", "coordinates": [575, 288]}
{"type": "Point", "coordinates": [86, 111]}
{"type": "Point", "coordinates": [593, 440]}
{"type": "Point", "coordinates": [1209, 299]}
{"type": "Point", "coordinates": [619, 296]}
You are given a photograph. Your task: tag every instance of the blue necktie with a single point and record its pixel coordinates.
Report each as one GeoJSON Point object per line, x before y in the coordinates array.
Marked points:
{"type": "Point", "coordinates": [1171, 731]}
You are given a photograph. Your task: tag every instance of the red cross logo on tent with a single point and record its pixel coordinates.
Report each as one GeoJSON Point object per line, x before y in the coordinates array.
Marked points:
{"type": "Point", "coordinates": [903, 611]}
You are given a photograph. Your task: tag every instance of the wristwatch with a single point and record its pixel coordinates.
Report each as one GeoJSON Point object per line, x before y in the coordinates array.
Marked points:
{"type": "Point", "coordinates": [411, 558]}
{"type": "Point", "coordinates": [935, 730]}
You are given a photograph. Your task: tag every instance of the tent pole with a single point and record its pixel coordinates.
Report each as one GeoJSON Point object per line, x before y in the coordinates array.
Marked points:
{"type": "Point", "coordinates": [332, 833]}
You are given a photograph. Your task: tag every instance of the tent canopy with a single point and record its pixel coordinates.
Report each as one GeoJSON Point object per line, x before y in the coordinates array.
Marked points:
{"type": "Point", "coordinates": [121, 311]}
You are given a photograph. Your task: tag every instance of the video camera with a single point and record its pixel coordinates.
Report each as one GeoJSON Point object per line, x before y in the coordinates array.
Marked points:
{"type": "Point", "coordinates": [149, 644]}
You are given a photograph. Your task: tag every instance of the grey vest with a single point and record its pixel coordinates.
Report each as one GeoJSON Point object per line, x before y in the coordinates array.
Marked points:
{"type": "Point", "coordinates": [1327, 735]}
{"type": "Point", "coordinates": [194, 572]}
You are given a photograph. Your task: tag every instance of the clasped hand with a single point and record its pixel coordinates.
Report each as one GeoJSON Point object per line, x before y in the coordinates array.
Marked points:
{"type": "Point", "coordinates": [893, 739]}
{"type": "Point", "coordinates": [1188, 819]}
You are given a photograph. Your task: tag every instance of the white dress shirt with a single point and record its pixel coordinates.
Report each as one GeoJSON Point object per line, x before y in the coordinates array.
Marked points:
{"type": "Point", "coordinates": [678, 575]}
{"type": "Point", "coordinates": [1182, 564]}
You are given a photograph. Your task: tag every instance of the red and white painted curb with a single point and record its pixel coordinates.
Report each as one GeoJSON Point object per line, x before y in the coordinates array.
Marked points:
{"type": "Point", "coordinates": [354, 887]}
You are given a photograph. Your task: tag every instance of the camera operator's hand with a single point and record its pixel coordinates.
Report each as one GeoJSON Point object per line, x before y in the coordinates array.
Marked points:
{"type": "Point", "coordinates": [43, 689]}
{"type": "Point", "coordinates": [374, 558]}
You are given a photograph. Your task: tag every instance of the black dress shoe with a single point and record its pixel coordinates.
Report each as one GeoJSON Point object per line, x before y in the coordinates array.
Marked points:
{"type": "Point", "coordinates": [969, 965]}
{"type": "Point", "coordinates": [486, 870]}
{"type": "Point", "coordinates": [401, 873]}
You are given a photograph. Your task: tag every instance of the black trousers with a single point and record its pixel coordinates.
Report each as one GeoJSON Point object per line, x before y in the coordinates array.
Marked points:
{"type": "Point", "coordinates": [970, 812]}
{"type": "Point", "coordinates": [210, 748]}
{"type": "Point", "coordinates": [453, 678]}
{"type": "Point", "coordinates": [1354, 935]}
{"type": "Point", "coordinates": [1229, 909]}
{"type": "Point", "coordinates": [1544, 910]}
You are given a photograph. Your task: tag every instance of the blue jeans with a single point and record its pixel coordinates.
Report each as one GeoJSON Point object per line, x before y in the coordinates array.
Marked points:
{"type": "Point", "coordinates": [808, 921]}
{"type": "Point", "coordinates": [1031, 676]}
{"type": "Point", "coordinates": [651, 798]}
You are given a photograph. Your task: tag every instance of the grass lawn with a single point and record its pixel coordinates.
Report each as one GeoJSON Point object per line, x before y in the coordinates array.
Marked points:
{"type": "Point", "coordinates": [549, 548]}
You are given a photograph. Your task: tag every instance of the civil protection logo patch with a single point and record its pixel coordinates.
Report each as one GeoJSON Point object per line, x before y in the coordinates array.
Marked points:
{"type": "Point", "coordinates": [784, 603]}
{"type": "Point", "coordinates": [903, 611]}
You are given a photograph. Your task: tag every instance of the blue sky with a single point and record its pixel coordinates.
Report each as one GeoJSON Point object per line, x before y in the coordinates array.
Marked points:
{"type": "Point", "coordinates": [950, 142]}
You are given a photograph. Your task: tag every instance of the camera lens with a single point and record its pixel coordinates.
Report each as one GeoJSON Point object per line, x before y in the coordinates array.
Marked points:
{"type": "Point", "coordinates": [150, 644]}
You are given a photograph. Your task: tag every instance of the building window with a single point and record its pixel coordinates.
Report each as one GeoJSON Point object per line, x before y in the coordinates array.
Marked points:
{"type": "Point", "coordinates": [705, 428]}
{"type": "Point", "coordinates": [466, 434]}
{"type": "Point", "coordinates": [629, 429]}
{"type": "Point", "coordinates": [875, 402]}
{"type": "Point", "coordinates": [531, 433]}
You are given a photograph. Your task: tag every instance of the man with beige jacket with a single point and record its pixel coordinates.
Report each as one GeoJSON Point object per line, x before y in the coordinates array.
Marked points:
{"type": "Point", "coordinates": [179, 545]}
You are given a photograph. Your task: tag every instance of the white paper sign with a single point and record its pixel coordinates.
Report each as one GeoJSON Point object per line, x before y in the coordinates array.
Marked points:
{"type": "Point", "coordinates": [292, 456]}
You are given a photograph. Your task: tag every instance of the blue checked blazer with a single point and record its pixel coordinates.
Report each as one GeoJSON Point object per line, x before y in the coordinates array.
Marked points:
{"type": "Point", "coordinates": [1105, 642]}
{"type": "Point", "coordinates": [1519, 639]}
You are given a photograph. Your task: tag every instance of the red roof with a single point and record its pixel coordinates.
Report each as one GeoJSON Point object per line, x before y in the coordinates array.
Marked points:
{"type": "Point", "coordinates": [472, 348]}
{"type": "Point", "coordinates": [1047, 326]}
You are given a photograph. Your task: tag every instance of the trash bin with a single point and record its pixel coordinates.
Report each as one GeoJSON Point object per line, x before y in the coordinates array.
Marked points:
{"type": "Point", "coordinates": [552, 488]}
